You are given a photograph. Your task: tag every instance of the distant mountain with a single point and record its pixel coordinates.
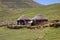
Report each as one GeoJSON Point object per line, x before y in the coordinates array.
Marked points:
{"type": "Point", "coordinates": [19, 3]}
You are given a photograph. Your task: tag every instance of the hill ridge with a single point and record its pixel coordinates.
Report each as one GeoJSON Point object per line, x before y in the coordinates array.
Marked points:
{"type": "Point", "coordinates": [19, 3]}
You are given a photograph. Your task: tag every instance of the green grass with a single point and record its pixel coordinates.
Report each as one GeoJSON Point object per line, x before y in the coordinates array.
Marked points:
{"type": "Point", "coordinates": [50, 11]}
{"type": "Point", "coordinates": [28, 34]}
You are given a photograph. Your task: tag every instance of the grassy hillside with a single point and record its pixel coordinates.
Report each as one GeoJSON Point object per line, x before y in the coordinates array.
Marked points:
{"type": "Point", "coordinates": [50, 11]}
{"type": "Point", "coordinates": [11, 14]}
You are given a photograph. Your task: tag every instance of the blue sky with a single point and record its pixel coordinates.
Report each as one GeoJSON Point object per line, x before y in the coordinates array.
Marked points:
{"type": "Point", "coordinates": [47, 2]}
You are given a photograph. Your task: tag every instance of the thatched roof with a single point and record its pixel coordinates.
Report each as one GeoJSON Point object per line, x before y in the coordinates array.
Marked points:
{"type": "Point", "coordinates": [23, 18]}
{"type": "Point", "coordinates": [39, 17]}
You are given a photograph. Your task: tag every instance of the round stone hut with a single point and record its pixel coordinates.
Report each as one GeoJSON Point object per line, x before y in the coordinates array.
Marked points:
{"type": "Point", "coordinates": [23, 20]}
{"type": "Point", "coordinates": [38, 19]}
